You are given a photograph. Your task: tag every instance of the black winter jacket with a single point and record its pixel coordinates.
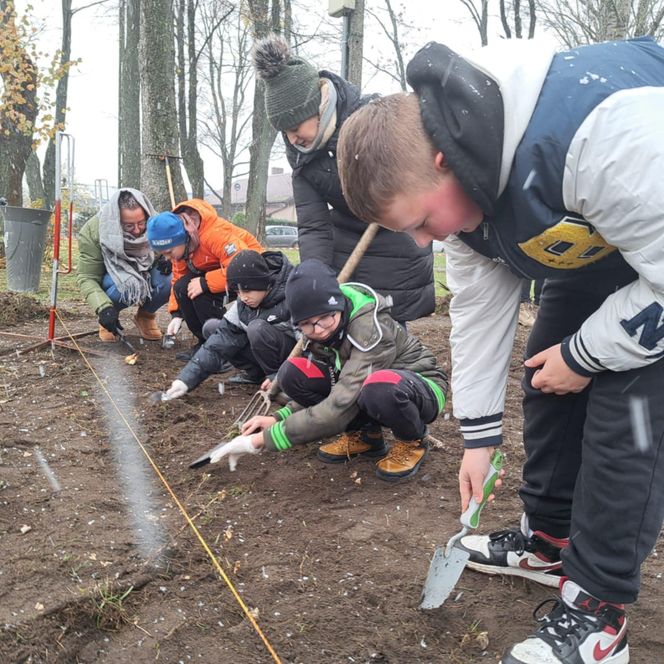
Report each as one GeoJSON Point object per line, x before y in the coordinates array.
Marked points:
{"type": "Point", "coordinates": [393, 265]}
{"type": "Point", "coordinates": [231, 337]}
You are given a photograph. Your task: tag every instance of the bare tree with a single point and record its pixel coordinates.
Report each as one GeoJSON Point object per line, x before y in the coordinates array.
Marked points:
{"type": "Point", "coordinates": [479, 12]}
{"type": "Point", "coordinates": [129, 97]}
{"type": "Point", "coordinates": [60, 111]}
{"type": "Point", "coordinates": [513, 10]}
{"type": "Point", "coordinates": [265, 18]}
{"type": "Point", "coordinates": [579, 22]}
{"type": "Point", "coordinates": [390, 25]}
{"type": "Point", "coordinates": [159, 130]}
{"type": "Point", "coordinates": [229, 73]}
{"type": "Point", "coordinates": [187, 80]}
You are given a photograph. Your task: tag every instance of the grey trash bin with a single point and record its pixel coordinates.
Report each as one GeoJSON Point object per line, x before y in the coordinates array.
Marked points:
{"type": "Point", "coordinates": [24, 237]}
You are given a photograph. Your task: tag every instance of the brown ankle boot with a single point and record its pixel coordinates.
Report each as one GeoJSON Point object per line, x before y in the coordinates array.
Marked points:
{"type": "Point", "coordinates": [147, 325]}
{"type": "Point", "coordinates": [355, 443]}
{"type": "Point", "coordinates": [403, 460]}
{"type": "Point", "coordinates": [106, 336]}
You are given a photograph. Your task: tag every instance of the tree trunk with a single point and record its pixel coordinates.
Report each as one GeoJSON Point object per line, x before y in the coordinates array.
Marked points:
{"type": "Point", "coordinates": [34, 179]}
{"type": "Point", "coordinates": [616, 16]}
{"type": "Point", "coordinates": [129, 97]}
{"type": "Point", "coordinates": [60, 105]}
{"type": "Point", "coordinates": [187, 72]}
{"type": "Point", "coordinates": [158, 102]}
{"type": "Point", "coordinates": [19, 109]}
{"type": "Point", "coordinates": [356, 43]}
{"type": "Point", "coordinates": [263, 134]}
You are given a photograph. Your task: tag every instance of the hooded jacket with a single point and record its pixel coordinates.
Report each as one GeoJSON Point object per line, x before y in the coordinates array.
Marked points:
{"type": "Point", "coordinates": [563, 152]}
{"type": "Point", "coordinates": [231, 335]}
{"type": "Point", "coordinates": [220, 240]}
{"type": "Point", "coordinates": [329, 231]}
{"type": "Point", "coordinates": [373, 340]}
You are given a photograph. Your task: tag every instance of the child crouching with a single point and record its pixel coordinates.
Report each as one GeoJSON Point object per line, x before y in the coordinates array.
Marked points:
{"type": "Point", "coordinates": [256, 334]}
{"type": "Point", "coordinates": [360, 371]}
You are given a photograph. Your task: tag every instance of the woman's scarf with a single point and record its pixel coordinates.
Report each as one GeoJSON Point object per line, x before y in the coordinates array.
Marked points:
{"type": "Point", "coordinates": [327, 114]}
{"type": "Point", "coordinates": [127, 259]}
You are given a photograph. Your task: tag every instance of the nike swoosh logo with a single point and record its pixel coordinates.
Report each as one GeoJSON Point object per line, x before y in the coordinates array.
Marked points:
{"type": "Point", "coordinates": [524, 564]}
{"type": "Point", "coordinates": [600, 653]}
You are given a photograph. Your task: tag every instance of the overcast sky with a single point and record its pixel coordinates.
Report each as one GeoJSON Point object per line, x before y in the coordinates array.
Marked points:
{"type": "Point", "coordinates": [92, 99]}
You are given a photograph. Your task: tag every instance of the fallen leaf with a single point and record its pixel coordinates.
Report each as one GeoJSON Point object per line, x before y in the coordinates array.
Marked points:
{"type": "Point", "coordinates": [236, 567]}
{"type": "Point", "coordinates": [131, 359]}
{"type": "Point", "coordinates": [483, 640]}
{"type": "Point", "coordinates": [228, 533]}
{"type": "Point", "coordinates": [358, 480]}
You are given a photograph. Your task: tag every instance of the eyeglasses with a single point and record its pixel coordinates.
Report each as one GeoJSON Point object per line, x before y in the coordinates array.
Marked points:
{"type": "Point", "coordinates": [138, 225]}
{"type": "Point", "coordinates": [324, 322]}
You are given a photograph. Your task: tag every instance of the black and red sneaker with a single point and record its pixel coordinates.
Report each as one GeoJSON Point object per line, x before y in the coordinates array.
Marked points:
{"type": "Point", "coordinates": [579, 629]}
{"type": "Point", "coordinates": [516, 552]}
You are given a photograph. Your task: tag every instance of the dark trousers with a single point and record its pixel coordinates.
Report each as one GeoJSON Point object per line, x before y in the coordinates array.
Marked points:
{"type": "Point", "coordinates": [398, 400]}
{"type": "Point", "coordinates": [195, 312]}
{"type": "Point", "coordinates": [585, 476]}
{"type": "Point", "coordinates": [267, 350]}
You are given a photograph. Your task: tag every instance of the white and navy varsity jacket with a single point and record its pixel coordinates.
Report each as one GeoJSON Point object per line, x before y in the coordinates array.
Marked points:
{"type": "Point", "coordinates": [564, 152]}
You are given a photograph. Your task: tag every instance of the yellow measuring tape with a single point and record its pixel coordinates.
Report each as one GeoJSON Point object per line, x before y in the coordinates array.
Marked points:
{"type": "Point", "coordinates": [181, 507]}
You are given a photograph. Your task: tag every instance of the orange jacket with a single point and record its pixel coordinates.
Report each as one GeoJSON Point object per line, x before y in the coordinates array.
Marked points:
{"type": "Point", "coordinates": [219, 242]}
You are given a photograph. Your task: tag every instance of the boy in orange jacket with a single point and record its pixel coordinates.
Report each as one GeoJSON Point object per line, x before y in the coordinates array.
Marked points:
{"type": "Point", "coordinates": [200, 245]}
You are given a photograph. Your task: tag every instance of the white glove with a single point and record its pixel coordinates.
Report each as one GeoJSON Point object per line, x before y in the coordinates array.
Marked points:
{"type": "Point", "coordinates": [174, 326]}
{"type": "Point", "coordinates": [239, 446]}
{"type": "Point", "coordinates": [177, 389]}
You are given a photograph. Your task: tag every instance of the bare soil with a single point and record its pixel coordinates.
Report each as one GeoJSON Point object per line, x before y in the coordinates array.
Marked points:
{"type": "Point", "coordinates": [97, 564]}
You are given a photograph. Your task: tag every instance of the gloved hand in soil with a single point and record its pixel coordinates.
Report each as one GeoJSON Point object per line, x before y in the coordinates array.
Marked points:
{"type": "Point", "coordinates": [109, 319]}
{"type": "Point", "coordinates": [239, 446]}
{"type": "Point", "coordinates": [174, 326]}
{"type": "Point", "coordinates": [177, 389]}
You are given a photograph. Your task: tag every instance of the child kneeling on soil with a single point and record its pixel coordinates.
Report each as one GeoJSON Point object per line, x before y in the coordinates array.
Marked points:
{"type": "Point", "coordinates": [256, 334]}
{"type": "Point", "coordinates": [360, 371]}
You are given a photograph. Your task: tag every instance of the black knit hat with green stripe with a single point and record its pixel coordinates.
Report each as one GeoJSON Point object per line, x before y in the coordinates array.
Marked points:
{"type": "Point", "coordinates": [292, 87]}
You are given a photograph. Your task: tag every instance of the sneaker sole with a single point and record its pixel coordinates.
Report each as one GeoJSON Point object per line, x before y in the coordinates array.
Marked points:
{"type": "Point", "coordinates": [621, 657]}
{"type": "Point", "coordinates": [369, 454]}
{"type": "Point", "coordinates": [550, 580]}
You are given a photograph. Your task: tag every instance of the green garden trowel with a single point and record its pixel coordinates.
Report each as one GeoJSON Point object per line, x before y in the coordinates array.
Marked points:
{"type": "Point", "coordinates": [448, 562]}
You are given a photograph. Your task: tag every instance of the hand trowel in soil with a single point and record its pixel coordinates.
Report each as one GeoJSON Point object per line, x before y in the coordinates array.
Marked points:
{"type": "Point", "coordinates": [449, 562]}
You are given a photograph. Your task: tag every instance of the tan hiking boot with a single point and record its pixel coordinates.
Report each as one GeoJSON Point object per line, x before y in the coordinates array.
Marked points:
{"type": "Point", "coordinates": [106, 336]}
{"type": "Point", "coordinates": [354, 443]}
{"type": "Point", "coordinates": [403, 460]}
{"type": "Point", "coordinates": [147, 325]}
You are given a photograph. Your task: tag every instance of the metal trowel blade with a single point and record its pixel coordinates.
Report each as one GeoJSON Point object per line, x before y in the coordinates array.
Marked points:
{"type": "Point", "coordinates": [444, 572]}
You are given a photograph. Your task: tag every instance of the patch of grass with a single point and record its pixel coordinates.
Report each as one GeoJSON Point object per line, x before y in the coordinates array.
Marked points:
{"type": "Point", "coordinates": [67, 289]}
{"type": "Point", "coordinates": [109, 606]}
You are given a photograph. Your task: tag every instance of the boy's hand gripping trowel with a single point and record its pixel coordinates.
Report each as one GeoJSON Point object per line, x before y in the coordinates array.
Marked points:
{"type": "Point", "coordinates": [448, 563]}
